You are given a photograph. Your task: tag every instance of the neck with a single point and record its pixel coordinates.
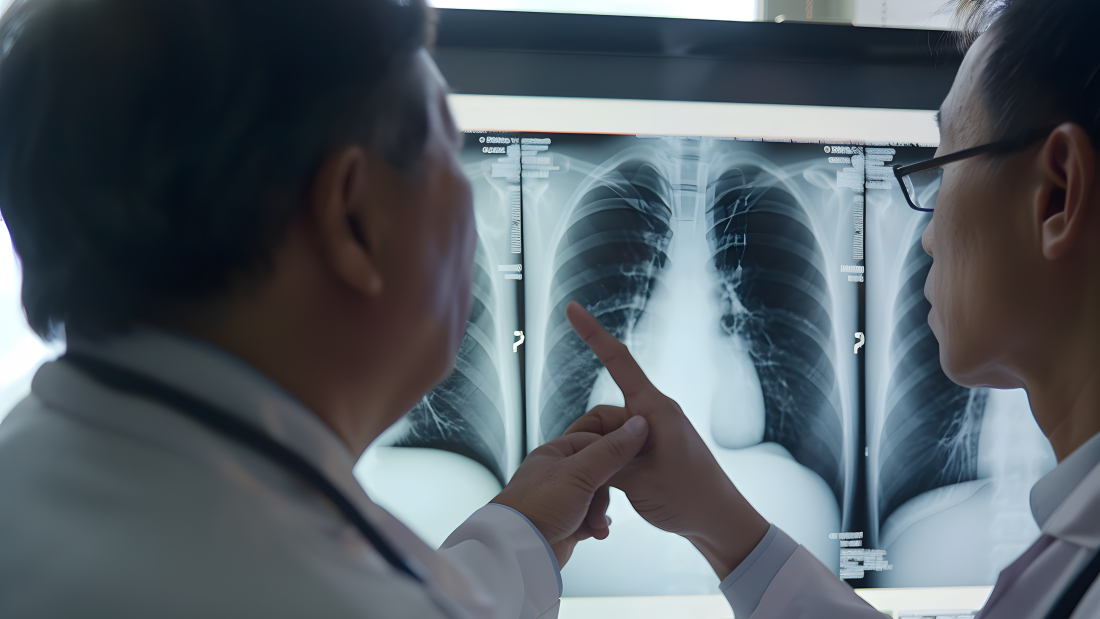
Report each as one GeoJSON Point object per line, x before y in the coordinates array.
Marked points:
{"type": "Point", "coordinates": [1064, 390]}
{"type": "Point", "coordinates": [1071, 419]}
{"type": "Point", "coordinates": [289, 359]}
{"type": "Point", "coordinates": [328, 368]}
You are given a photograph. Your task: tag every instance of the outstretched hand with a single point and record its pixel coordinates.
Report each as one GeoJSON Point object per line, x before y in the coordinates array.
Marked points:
{"type": "Point", "coordinates": [562, 486]}
{"type": "Point", "coordinates": [675, 484]}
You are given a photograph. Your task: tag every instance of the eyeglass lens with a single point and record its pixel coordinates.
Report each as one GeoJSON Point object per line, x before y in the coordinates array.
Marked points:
{"type": "Point", "coordinates": [923, 187]}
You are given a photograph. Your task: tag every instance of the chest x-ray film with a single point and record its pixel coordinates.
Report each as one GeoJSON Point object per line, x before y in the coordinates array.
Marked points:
{"type": "Point", "coordinates": [775, 290]}
{"type": "Point", "coordinates": [718, 263]}
{"type": "Point", "coordinates": [949, 469]}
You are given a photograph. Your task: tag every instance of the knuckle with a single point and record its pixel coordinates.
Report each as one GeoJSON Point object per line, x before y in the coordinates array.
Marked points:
{"type": "Point", "coordinates": [584, 480]}
{"type": "Point", "coordinates": [617, 451]}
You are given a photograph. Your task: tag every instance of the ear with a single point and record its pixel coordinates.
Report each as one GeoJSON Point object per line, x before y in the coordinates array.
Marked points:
{"type": "Point", "coordinates": [339, 210]}
{"type": "Point", "coordinates": [1068, 168]}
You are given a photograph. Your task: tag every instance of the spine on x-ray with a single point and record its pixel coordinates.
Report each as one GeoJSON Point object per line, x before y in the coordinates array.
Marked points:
{"type": "Point", "coordinates": [929, 436]}
{"type": "Point", "coordinates": [608, 260]}
{"type": "Point", "coordinates": [774, 295]}
{"type": "Point", "coordinates": [465, 413]}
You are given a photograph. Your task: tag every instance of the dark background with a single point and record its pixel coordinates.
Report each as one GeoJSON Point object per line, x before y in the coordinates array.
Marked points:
{"type": "Point", "coordinates": [566, 55]}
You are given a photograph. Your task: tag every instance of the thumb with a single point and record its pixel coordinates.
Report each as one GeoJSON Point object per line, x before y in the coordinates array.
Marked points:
{"type": "Point", "coordinates": [598, 462]}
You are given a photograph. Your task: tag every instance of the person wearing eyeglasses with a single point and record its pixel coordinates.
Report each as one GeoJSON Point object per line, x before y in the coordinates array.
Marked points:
{"type": "Point", "coordinates": [1015, 295]}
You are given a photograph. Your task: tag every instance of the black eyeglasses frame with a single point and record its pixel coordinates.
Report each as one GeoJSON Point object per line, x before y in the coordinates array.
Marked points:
{"type": "Point", "coordinates": [1005, 145]}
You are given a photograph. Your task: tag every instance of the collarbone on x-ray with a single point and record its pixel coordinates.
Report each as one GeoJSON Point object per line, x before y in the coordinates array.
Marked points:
{"type": "Point", "coordinates": [726, 267]}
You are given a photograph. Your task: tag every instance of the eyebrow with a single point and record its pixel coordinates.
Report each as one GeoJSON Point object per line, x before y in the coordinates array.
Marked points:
{"type": "Point", "coordinates": [938, 112]}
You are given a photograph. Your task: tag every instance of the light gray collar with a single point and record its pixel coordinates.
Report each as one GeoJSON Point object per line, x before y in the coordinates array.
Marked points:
{"type": "Point", "coordinates": [1050, 491]}
{"type": "Point", "coordinates": [226, 381]}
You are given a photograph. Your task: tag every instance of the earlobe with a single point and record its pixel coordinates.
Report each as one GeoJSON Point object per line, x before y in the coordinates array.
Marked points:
{"type": "Point", "coordinates": [373, 284]}
{"type": "Point", "coordinates": [1066, 201]}
{"type": "Point", "coordinates": [342, 222]}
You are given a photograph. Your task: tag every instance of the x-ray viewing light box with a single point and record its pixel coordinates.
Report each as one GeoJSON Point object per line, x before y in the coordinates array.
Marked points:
{"type": "Point", "coordinates": [761, 264]}
{"type": "Point", "coordinates": [743, 120]}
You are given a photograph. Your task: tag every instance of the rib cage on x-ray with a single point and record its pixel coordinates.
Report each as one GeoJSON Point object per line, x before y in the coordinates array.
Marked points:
{"type": "Point", "coordinates": [931, 427]}
{"type": "Point", "coordinates": [774, 294]}
{"type": "Point", "coordinates": [608, 260]}
{"type": "Point", "coordinates": [465, 413]}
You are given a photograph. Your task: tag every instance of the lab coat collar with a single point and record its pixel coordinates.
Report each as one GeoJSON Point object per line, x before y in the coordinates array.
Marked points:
{"type": "Point", "coordinates": [1050, 491]}
{"type": "Point", "coordinates": [228, 382]}
{"type": "Point", "coordinates": [1066, 502]}
{"type": "Point", "coordinates": [217, 377]}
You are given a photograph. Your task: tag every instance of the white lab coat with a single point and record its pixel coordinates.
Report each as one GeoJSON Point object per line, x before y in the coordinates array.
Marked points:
{"type": "Point", "coordinates": [1066, 504]}
{"type": "Point", "coordinates": [115, 506]}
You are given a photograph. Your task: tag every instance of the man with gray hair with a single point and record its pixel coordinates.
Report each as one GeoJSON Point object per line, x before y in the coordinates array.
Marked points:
{"type": "Point", "coordinates": [248, 220]}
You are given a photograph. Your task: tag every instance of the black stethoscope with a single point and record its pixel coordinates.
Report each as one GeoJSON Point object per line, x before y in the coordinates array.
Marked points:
{"type": "Point", "coordinates": [122, 379]}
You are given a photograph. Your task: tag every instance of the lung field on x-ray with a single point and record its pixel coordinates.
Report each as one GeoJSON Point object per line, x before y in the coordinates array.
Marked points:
{"type": "Point", "coordinates": [774, 294]}
{"type": "Point", "coordinates": [931, 426]}
{"type": "Point", "coordinates": [608, 260]}
{"type": "Point", "coordinates": [465, 413]}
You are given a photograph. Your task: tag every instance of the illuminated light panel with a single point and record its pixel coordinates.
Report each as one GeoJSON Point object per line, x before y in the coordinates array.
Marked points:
{"type": "Point", "coordinates": [723, 10]}
{"type": "Point", "coordinates": [691, 118]}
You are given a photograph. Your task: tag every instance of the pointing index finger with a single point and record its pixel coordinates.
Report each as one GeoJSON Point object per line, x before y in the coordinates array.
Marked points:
{"type": "Point", "coordinates": [611, 352]}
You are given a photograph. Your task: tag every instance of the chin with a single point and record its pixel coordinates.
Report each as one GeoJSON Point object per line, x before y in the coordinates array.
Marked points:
{"type": "Point", "coordinates": [446, 358]}
{"type": "Point", "coordinates": [949, 369]}
{"type": "Point", "coordinates": [949, 361]}
{"type": "Point", "coordinates": [442, 367]}
{"type": "Point", "coordinates": [973, 370]}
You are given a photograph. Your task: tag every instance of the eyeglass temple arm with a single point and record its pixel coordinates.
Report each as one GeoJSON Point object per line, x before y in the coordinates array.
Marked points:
{"type": "Point", "coordinates": [999, 145]}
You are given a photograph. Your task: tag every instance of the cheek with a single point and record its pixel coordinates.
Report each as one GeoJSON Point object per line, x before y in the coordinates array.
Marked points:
{"type": "Point", "coordinates": [456, 242]}
{"type": "Point", "coordinates": [466, 246]}
{"type": "Point", "coordinates": [966, 285]}
{"type": "Point", "coordinates": [437, 259]}
{"type": "Point", "coordinates": [952, 261]}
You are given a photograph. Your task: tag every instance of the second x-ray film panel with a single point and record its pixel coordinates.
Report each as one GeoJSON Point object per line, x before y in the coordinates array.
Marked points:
{"type": "Point", "coordinates": [949, 468]}
{"type": "Point", "coordinates": [720, 264]}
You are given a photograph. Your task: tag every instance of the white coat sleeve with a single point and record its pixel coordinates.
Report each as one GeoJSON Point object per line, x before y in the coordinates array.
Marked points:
{"type": "Point", "coordinates": [782, 580]}
{"type": "Point", "coordinates": [511, 561]}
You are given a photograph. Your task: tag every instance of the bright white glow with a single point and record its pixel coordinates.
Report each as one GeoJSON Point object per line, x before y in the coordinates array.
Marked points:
{"type": "Point", "coordinates": [929, 14]}
{"type": "Point", "coordinates": [429, 490]}
{"type": "Point", "coordinates": [714, 606]}
{"type": "Point", "coordinates": [727, 10]}
{"type": "Point", "coordinates": [744, 120]}
{"type": "Point", "coordinates": [21, 351]}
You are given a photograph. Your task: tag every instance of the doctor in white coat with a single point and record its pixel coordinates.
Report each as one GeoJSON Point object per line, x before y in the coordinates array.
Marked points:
{"type": "Point", "coordinates": [248, 218]}
{"type": "Point", "coordinates": [1015, 294]}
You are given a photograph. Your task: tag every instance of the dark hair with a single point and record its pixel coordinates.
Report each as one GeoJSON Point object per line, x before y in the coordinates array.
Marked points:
{"type": "Point", "coordinates": [1043, 63]}
{"type": "Point", "coordinates": [153, 151]}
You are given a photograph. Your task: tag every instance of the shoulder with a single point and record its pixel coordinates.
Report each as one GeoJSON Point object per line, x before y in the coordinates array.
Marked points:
{"type": "Point", "coordinates": [126, 518]}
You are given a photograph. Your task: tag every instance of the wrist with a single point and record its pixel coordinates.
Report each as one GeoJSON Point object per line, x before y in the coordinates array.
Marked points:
{"type": "Point", "coordinates": [730, 534]}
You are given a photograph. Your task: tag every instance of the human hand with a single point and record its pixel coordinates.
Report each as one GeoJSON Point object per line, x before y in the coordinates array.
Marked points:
{"type": "Point", "coordinates": [675, 483]}
{"type": "Point", "coordinates": [562, 486]}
